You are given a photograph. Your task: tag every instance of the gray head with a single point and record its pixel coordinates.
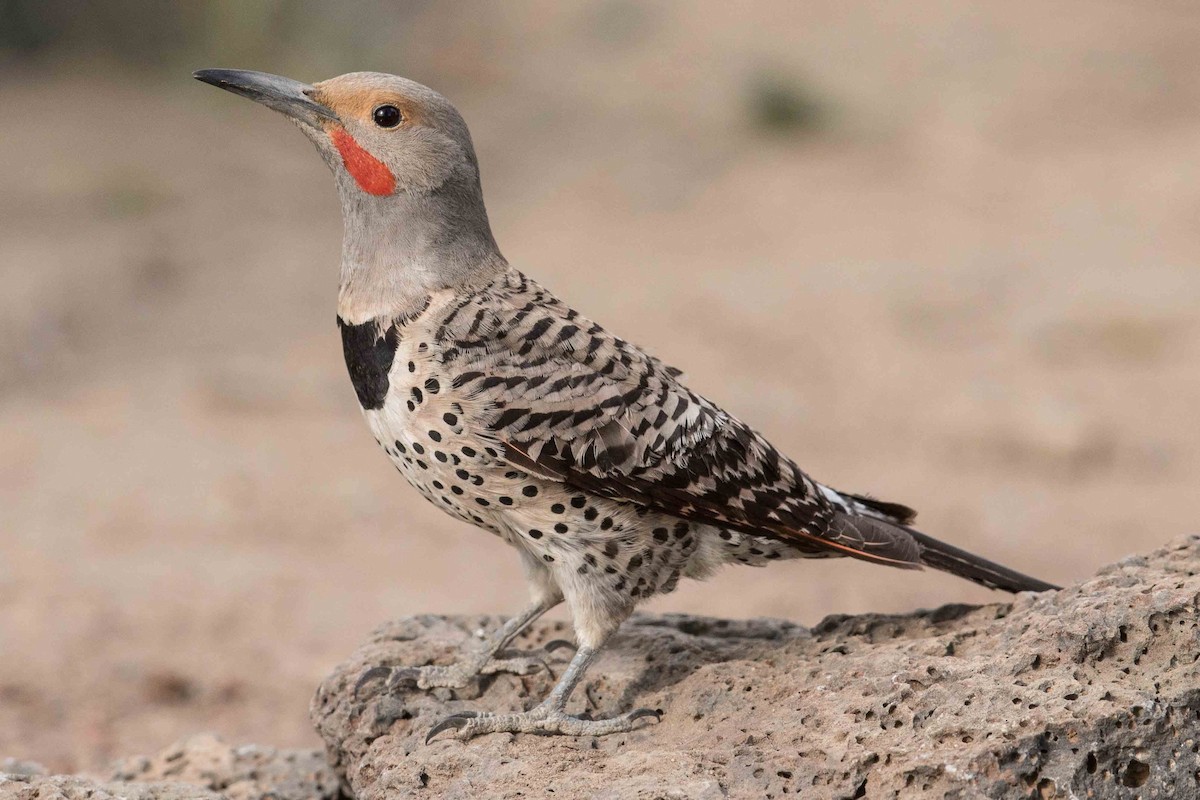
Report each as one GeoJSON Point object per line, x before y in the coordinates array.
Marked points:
{"type": "Point", "coordinates": [407, 176]}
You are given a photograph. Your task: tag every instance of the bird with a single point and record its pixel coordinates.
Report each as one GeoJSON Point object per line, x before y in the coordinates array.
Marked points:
{"type": "Point", "coordinates": [510, 410]}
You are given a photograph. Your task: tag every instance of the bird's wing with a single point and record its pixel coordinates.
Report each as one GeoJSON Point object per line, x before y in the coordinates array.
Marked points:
{"type": "Point", "coordinates": [569, 401]}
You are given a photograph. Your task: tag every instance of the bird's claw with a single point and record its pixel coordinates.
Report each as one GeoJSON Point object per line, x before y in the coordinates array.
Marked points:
{"type": "Point", "coordinates": [455, 721]}
{"type": "Point", "coordinates": [401, 675]}
{"type": "Point", "coordinates": [559, 644]}
{"type": "Point", "coordinates": [370, 675]}
{"type": "Point", "coordinates": [638, 713]}
{"type": "Point", "coordinates": [395, 677]}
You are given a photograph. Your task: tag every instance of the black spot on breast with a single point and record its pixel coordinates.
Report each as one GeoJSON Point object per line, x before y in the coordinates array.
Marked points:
{"type": "Point", "coordinates": [369, 354]}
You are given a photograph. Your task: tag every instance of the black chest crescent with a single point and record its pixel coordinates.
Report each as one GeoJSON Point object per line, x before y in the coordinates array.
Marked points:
{"type": "Point", "coordinates": [369, 352]}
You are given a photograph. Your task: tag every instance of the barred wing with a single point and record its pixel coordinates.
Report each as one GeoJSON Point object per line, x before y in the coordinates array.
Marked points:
{"type": "Point", "coordinates": [569, 401]}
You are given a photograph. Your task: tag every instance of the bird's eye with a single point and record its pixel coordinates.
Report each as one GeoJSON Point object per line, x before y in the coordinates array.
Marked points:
{"type": "Point", "coordinates": [387, 116]}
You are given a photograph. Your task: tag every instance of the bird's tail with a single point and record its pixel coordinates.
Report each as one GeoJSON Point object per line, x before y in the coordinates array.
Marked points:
{"type": "Point", "coordinates": [947, 557]}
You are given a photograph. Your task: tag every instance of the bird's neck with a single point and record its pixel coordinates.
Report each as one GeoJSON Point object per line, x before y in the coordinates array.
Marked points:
{"type": "Point", "coordinates": [398, 250]}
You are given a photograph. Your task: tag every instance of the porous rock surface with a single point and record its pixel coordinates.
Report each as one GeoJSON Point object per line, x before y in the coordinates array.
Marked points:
{"type": "Point", "coordinates": [1093, 691]}
{"type": "Point", "coordinates": [200, 768]}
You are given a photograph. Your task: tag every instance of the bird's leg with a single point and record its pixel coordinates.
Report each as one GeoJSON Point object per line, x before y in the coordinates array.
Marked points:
{"type": "Point", "coordinates": [550, 716]}
{"type": "Point", "coordinates": [479, 661]}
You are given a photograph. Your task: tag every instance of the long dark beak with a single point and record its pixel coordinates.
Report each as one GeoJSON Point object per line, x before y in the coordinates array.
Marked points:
{"type": "Point", "coordinates": [285, 95]}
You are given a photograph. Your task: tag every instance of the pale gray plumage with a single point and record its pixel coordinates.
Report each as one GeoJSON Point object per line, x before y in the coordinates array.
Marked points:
{"type": "Point", "coordinates": [513, 412]}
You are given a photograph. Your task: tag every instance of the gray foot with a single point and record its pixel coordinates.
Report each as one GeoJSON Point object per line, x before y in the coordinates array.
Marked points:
{"type": "Point", "coordinates": [544, 720]}
{"type": "Point", "coordinates": [454, 676]}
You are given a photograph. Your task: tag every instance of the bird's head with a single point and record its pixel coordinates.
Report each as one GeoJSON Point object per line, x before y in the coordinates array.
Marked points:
{"type": "Point", "coordinates": [406, 172]}
{"type": "Point", "coordinates": [382, 132]}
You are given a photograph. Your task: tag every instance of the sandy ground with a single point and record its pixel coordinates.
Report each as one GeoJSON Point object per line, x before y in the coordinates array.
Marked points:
{"type": "Point", "coordinates": [975, 290]}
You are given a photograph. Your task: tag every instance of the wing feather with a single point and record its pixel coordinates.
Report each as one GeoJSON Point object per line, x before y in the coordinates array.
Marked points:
{"type": "Point", "coordinates": [569, 401]}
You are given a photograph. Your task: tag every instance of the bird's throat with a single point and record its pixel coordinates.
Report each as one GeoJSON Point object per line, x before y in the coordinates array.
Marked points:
{"type": "Point", "coordinates": [371, 174]}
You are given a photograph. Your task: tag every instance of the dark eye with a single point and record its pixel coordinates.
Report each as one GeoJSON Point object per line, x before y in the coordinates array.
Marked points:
{"type": "Point", "coordinates": [387, 116]}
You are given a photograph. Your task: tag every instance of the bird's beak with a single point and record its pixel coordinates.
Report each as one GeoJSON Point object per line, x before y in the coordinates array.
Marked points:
{"type": "Point", "coordinates": [285, 95]}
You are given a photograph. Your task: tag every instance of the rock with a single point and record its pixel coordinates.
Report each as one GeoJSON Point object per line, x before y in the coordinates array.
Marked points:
{"type": "Point", "coordinates": [74, 787]}
{"type": "Point", "coordinates": [200, 768]}
{"type": "Point", "coordinates": [1093, 691]}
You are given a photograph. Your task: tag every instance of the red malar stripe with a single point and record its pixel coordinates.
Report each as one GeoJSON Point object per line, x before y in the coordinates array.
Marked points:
{"type": "Point", "coordinates": [372, 175]}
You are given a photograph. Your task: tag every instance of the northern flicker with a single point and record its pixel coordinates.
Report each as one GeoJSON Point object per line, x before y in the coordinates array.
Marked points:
{"type": "Point", "coordinates": [508, 409]}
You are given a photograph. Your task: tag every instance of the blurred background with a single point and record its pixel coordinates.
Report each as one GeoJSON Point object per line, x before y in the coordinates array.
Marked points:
{"type": "Point", "coordinates": [946, 253]}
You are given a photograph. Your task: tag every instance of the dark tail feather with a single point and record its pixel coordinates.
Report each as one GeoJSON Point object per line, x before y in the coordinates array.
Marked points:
{"type": "Point", "coordinates": [949, 558]}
